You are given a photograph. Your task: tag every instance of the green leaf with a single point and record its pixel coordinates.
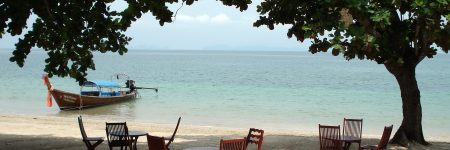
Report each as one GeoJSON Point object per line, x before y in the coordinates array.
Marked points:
{"type": "Point", "coordinates": [369, 38]}
{"type": "Point", "coordinates": [356, 30]}
{"type": "Point", "coordinates": [432, 4]}
{"type": "Point", "coordinates": [338, 47]}
{"type": "Point", "coordinates": [419, 3]}
{"type": "Point", "coordinates": [443, 2]}
{"type": "Point", "coordinates": [306, 27]}
{"type": "Point", "coordinates": [382, 17]}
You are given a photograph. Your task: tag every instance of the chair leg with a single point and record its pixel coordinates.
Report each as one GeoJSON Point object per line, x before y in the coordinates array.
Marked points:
{"type": "Point", "coordinates": [89, 146]}
{"type": "Point", "coordinates": [97, 143]}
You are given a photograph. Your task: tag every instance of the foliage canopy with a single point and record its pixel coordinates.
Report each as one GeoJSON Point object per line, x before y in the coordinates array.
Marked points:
{"type": "Point", "coordinates": [71, 30]}
{"type": "Point", "coordinates": [377, 30]}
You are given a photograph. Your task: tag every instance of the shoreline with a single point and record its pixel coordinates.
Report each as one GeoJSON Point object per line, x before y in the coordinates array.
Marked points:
{"type": "Point", "coordinates": [50, 132]}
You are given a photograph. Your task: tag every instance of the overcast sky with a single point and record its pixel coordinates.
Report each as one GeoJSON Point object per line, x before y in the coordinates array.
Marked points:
{"type": "Point", "coordinates": [205, 25]}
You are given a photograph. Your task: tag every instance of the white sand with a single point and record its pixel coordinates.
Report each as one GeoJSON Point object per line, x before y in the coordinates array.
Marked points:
{"type": "Point", "coordinates": [44, 132]}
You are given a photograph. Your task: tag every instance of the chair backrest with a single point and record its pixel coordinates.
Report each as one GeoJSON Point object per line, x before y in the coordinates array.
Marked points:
{"type": "Point", "coordinates": [233, 144]}
{"type": "Point", "coordinates": [255, 136]}
{"type": "Point", "coordinates": [352, 128]}
{"type": "Point", "coordinates": [174, 132]}
{"type": "Point", "coordinates": [113, 130]}
{"type": "Point", "coordinates": [385, 137]}
{"type": "Point", "coordinates": [329, 137]}
{"type": "Point", "coordinates": [83, 132]}
{"type": "Point", "coordinates": [156, 143]}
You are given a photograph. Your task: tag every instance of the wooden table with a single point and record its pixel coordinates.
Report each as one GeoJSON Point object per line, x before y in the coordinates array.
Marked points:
{"type": "Point", "coordinates": [134, 135]}
{"type": "Point", "coordinates": [202, 148]}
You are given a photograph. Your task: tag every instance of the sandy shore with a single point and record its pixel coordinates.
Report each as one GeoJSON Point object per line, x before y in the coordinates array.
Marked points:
{"type": "Point", "coordinates": [44, 132]}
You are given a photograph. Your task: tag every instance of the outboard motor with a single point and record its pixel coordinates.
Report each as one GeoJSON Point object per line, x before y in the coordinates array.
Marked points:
{"type": "Point", "coordinates": [130, 84]}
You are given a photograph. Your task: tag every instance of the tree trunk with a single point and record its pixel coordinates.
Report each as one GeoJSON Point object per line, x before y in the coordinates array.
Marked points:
{"type": "Point", "coordinates": [410, 131]}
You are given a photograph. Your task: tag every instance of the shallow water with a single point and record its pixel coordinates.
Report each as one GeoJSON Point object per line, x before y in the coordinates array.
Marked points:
{"type": "Point", "coordinates": [291, 91]}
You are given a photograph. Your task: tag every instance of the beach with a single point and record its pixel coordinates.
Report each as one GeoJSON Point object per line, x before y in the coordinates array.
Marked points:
{"type": "Point", "coordinates": [21, 132]}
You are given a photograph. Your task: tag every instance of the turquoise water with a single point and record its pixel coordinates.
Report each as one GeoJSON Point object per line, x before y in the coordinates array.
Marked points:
{"type": "Point", "coordinates": [277, 91]}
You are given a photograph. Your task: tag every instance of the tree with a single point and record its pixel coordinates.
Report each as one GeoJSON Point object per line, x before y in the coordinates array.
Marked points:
{"type": "Point", "coordinates": [396, 33]}
{"type": "Point", "coordinates": [71, 30]}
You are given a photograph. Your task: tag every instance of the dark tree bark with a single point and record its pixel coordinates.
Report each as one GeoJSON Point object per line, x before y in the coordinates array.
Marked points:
{"type": "Point", "coordinates": [411, 128]}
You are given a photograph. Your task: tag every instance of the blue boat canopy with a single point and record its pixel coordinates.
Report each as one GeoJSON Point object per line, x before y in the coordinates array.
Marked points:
{"type": "Point", "coordinates": [102, 84]}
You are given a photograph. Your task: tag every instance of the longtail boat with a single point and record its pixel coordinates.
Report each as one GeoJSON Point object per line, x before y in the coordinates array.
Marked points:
{"type": "Point", "coordinates": [98, 93]}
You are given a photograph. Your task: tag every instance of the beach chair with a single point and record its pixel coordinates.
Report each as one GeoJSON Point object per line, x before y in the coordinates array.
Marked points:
{"type": "Point", "coordinates": [255, 136]}
{"type": "Point", "coordinates": [87, 140]}
{"type": "Point", "coordinates": [383, 141]}
{"type": "Point", "coordinates": [330, 138]}
{"type": "Point", "coordinates": [171, 138]}
{"type": "Point", "coordinates": [156, 143]}
{"type": "Point", "coordinates": [352, 131]}
{"type": "Point", "coordinates": [233, 144]}
{"type": "Point", "coordinates": [117, 134]}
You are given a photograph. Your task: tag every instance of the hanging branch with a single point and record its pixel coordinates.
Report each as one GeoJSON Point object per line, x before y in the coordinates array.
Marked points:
{"type": "Point", "coordinates": [176, 12]}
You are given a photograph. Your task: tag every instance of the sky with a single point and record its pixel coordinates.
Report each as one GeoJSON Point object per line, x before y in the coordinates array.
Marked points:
{"type": "Point", "coordinates": [205, 25]}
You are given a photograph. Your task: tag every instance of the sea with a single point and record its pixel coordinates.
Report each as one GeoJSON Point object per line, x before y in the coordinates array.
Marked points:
{"type": "Point", "coordinates": [280, 91]}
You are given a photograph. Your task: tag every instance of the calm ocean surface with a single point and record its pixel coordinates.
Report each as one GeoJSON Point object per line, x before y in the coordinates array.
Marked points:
{"type": "Point", "coordinates": [277, 91]}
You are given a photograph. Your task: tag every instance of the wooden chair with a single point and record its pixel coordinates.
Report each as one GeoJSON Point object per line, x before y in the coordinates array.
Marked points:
{"type": "Point", "coordinates": [117, 134]}
{"type": "Point", "coordinates": [233, 144]}
{"type": "Point", "coordinates": [156, 143]}
{"type": "Point", "coordinates": [87, 140]}
{"type": "Point", "coordinates": [383, 142]}
{"type": "Point", "coordinates": [330, 137]}
{"type": "Point", "coordinates": [255, 136]}
{"type": "Point", "coordinates": [170, 140]}
{"type": "Point", "coordinates": [352, 129]}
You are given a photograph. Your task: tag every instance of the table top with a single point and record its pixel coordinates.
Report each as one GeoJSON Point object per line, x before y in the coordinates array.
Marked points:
{"type": "Point", "coordinates": [137, 133]}
{"type": "Point", "coordinates": [202, 148]}
{"type": "Point", "coordinates": [130, 133]}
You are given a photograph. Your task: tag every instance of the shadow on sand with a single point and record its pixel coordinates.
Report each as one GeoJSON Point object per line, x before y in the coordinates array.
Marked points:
{"type": "Point", "coordinates": [271, 142]}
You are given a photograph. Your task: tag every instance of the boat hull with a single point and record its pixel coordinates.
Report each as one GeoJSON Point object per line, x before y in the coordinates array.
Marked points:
{"type": "Point", "coordinates": [69, 101]}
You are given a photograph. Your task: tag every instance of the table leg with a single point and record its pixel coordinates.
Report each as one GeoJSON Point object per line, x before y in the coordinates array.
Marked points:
{"type": "Point", "coordinates": [135, 143]}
